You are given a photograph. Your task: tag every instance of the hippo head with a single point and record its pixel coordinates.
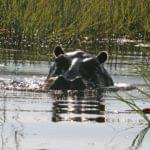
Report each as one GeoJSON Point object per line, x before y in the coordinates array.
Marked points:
{"type": "Point", "coordinates": [77, 70]}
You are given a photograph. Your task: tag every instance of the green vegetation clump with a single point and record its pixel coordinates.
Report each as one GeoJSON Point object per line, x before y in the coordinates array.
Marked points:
{"type": "Point", "coordinates": [26, 24]}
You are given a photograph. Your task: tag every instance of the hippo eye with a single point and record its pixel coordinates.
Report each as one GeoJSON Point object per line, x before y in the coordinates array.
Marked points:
{"type": "Point", "coordinates": [63, 62]}
{"type": "Point", "coordinates": [88, 67]}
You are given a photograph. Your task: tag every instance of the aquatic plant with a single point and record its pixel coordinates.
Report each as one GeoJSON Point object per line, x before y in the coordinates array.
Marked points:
{"type": "Point", "coordinates": [131, 103]}
{"type": "Point", "coordinates": [144, 72]}
{"type": "Point", "coordinates": [137, 141]}
{"type": "Point", "coordinates": [29, 24]}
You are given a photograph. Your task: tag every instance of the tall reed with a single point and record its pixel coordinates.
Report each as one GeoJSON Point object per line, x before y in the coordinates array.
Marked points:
{"type": "Point", "coordinates": [54, 20]}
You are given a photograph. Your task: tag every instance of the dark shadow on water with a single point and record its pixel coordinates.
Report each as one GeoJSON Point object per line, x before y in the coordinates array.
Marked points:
{"type": "Point", "coordinates": [78, 106]}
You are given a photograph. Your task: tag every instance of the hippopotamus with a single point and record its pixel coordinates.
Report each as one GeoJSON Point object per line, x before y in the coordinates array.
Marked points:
{"type": "Point", "coordinates": [77, 70]}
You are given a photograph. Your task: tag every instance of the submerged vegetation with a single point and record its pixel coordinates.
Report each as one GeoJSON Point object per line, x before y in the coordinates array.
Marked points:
{"type": "Point", "coordinates": [41, 24]}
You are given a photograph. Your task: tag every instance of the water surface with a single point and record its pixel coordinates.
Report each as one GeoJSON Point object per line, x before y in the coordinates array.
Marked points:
{"type": "Point", "coordinates": [59, 120]}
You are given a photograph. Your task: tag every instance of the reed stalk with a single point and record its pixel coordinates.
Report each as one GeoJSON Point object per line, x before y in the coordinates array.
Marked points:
{"type": "Point", "coordinates": [61, 20]}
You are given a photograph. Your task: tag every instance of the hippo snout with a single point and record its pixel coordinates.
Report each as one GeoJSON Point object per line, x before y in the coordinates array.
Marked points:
{"type": "Point", "coordinates": [62, 83]}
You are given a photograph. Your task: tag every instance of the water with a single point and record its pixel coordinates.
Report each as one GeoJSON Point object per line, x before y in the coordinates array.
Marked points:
{"type": "Point", "coordinates": [90, 120]}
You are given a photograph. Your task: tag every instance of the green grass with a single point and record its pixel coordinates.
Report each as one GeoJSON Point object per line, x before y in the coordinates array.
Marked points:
{"type": "Point", "coordinates": [42, 24]}
{"type": "Point", "coordinates": [138, 140]}
{"type": "Point", "coordinates": [131, 103]}
{"type": "Point", "coordinates": [144, 72]}
{"type": "Point", "coordinates": [36, 22]}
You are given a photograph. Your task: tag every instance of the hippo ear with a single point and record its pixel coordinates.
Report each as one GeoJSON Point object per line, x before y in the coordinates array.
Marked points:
{"type": "Point", "coordinates": [58, 50]}
{"type": "Point", "coordinates": [102, 57]}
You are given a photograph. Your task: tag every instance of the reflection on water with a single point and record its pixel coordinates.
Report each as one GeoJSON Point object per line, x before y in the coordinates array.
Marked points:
{"type": "Point", "coordinates": [72, 119]}
{"type": "Point", "coordinates": [118, 49]}
{"type": "Point", "coordinates": [16, 131]}
{"type": "Point", "coordinates": [81, 106]}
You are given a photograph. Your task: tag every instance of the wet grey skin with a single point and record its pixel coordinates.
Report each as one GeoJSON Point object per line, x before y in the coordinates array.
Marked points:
{"type": "Point", "coordinates": [77, 70]}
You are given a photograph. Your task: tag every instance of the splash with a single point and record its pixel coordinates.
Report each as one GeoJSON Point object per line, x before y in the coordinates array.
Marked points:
{"type": "Point", "coordinates": [37, 84]}
{"type": "Point", "coordinates": [31, 84]}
